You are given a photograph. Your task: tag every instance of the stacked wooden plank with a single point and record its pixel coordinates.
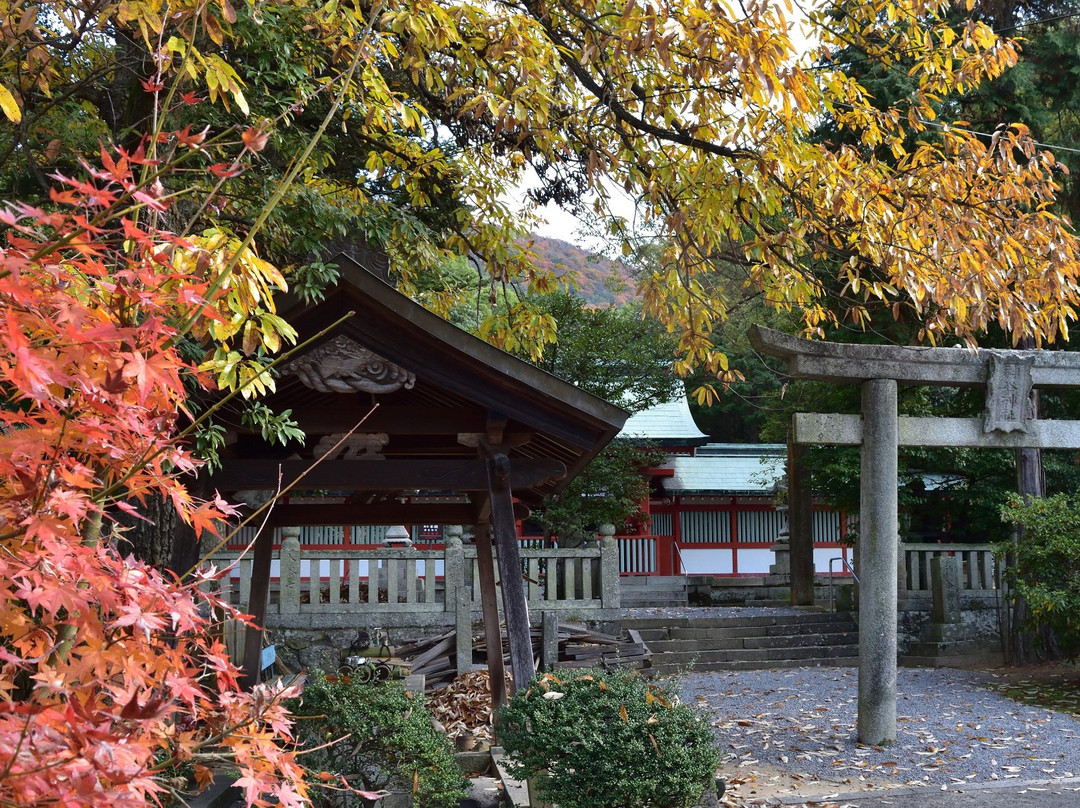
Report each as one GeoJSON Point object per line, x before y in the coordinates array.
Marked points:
{"type": "Point", "coordinates": [587, 649]}
{"type": "Point", "coordinates": [578, 648]}
{"type": "Point", "coordinates": [431, 657]}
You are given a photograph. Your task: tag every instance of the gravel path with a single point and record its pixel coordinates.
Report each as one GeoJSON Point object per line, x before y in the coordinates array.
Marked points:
{"type": "Point", "coordinates": [793, 732]}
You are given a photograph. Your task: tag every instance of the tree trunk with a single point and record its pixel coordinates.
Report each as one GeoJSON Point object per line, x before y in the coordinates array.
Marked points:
{"type": "Point", "coordinates": [160, 539]}
{"type": "Point", "coordinates": [131, 107]}
{"type": "Point", "coordinates": [800, 527]}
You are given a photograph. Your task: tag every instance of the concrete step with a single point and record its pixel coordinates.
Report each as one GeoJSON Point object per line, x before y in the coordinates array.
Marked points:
{"type": "Point", "coordinates": [752, 641]}
{"type": "Point", "coordinates": [734, 632]}
{"type": "Point", "coordinates": [656, 586]}
{"type": "Point", "coordinates": [652, 581]}
{"type": "Point", "coordinates": [638, 591]}
{"type": "Point", "coordinates": [644, 600]}
{"type": "Point", "coordinates": [652, 601]}
{"type": "Point", "coordinates": [665, 669]}
{"type": "Point", "coordinates": [778, 630]}
{"type": "Point", "coordinates": [760, 655]}
{"type": "Point", "coordinates": [653, 592]}
{"type": "Point", "coordinates": [733, 643]}
{"type": "Point", "coordinates": [729, 631]}
{"type": "Point", "coordinates": [753, 623]}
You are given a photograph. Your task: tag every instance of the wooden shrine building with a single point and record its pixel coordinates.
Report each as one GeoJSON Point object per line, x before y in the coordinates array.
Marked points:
{"type": "Point", "coordinates": [410, 420]}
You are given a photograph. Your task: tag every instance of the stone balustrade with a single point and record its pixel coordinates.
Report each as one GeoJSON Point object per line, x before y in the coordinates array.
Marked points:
{"type": "Point", "coordinates": [403, 586]}
{"type": "Point", "coordinates": [976, 563]}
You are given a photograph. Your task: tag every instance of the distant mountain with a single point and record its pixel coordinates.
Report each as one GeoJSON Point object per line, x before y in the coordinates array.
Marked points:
{"type": "Point", "coordinates": [601, 280]}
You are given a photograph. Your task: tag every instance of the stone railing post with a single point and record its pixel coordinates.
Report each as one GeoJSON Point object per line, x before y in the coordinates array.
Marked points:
{"type": "Point", "coordinates": [945, 586]}
{"type": "Point", "coordinates": [462, 630]}
{"type": "Point", "coordinates": [549, 643]}
{"type": "Point", "coordinates": [453, 566]}
{"type": "Point", "coordinates": [609, 568]}
{"type": "Point", "coordinates": [289, 571]}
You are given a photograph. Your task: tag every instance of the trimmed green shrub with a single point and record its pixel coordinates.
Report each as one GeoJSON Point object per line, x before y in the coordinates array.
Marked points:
{"type": "Point", "coordinates": [384, 740]}
{"type": "Point", "coordinates": [1045, 564]}
{"type": "Point", "coordinates": [608, 739]}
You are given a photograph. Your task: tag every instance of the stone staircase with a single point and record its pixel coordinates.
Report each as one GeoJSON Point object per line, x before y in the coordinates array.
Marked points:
{"type": "Point", "coordinates": [637, 591]}
{"type": "Point", "coordinates": [784, 640]}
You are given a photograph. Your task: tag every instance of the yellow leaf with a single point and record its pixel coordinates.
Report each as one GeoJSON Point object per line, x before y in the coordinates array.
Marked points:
{"type": "Point", "coordinates": [623, 714]}
{"type": "Point", "coordinates": [9, 105]}
{"type": "Point", "coordinates": [251, 337]}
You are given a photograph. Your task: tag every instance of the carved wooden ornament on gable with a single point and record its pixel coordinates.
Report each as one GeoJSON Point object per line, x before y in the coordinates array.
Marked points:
{"type": "Point", "coordinates": [344, 366]}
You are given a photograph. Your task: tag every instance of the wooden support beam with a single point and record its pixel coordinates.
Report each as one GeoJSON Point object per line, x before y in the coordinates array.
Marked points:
{"type": "Point", "coordinates": [378, 475]}
{"type": "Point", "coordinates": [515, 604]}
{"type": "Point", "coordinates": [347, 411]}
{"type": "Point", "coordinates": [489, 603]}
{"type": "Point", "coordinates": [509, 441]}
{"type": "Point", "coordinates": [382, 513]}
{"type": "Point", "coordinates": [496, 427]}
{"type": "Point", "coordinates": [256, 607]}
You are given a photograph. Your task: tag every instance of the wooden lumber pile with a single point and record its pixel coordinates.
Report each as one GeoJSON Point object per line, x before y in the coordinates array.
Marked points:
{"type": "Point", "coordinates": [587, 649]}
{"type": "Point", "coordinates": [432, 657]}
{"type": "Point", "coordinates": [578, 648]}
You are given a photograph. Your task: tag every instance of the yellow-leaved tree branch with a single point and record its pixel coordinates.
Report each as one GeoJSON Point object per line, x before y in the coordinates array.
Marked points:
{"type": "Point", "coordinates": [705, 113]}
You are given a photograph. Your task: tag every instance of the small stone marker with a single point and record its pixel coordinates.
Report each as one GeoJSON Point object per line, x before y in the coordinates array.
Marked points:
{"type": "Point", "coordinates": [945, 589]}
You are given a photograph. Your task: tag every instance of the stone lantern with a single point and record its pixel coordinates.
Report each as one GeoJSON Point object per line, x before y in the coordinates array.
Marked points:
{"type": "Point", "coordinates": [780, 569]}
{"type": "Point", "coordinates": [398, 536]}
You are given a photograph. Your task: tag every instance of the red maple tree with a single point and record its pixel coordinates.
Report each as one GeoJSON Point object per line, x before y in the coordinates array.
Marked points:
{"type": "Point", "coordinates": [112, 673]}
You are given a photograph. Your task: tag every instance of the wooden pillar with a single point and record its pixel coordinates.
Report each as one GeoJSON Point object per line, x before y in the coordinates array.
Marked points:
{"type": "Point", "coordinates": [515, 604]}
{"type": "Point", "coordinates": [800, 527]}
{"type": "Point", "coordinates": [485, 567]}
{"type": "Point", "coordinates": [256, 607]}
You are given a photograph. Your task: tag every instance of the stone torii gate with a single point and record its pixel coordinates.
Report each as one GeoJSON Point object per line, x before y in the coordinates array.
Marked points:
{"type": "Point", "coordinates": [1008, 377]}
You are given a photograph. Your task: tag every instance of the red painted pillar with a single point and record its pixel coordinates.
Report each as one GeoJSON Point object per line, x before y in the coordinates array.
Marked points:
{"type": "Point", "coordinates": [664, 553]}
{"type": "Point", "coordinates": [733, 527]}
{"type": "Point", "coordinates": [676, 527]}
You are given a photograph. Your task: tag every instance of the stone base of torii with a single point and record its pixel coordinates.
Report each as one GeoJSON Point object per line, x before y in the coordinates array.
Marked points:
{"type": "Point", "coordinates": [1008, 377]}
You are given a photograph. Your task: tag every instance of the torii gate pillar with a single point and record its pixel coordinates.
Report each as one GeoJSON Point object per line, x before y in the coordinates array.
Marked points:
{"type": "Point", "coordinates": [878, 548]}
